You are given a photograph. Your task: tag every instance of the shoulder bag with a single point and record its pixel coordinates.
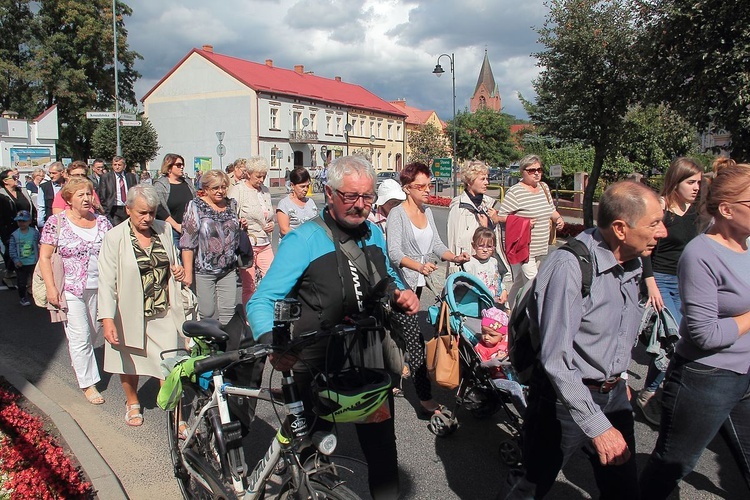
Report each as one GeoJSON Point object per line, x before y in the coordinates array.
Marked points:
{"type": "Point", "coordinates": [552, 226]}
{"type": "Point", "coordinates": [38, 287]}
{"type": "Point", "coordinates": [442, 353]}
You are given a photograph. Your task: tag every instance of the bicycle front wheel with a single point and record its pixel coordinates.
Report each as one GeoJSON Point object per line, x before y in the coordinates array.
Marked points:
{"type": "Point", "coordinates": [320, 490]}
{"type": "Point", "coordinates": [197, 469]}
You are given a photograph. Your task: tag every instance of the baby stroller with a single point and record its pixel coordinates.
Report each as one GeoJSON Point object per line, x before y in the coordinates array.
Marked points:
{"type": "Point", "coordinates": [465, 297]}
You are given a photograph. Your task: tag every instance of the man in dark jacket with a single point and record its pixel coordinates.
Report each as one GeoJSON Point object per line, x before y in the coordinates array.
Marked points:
{"type": "Point", "coordinates": [113, 190]}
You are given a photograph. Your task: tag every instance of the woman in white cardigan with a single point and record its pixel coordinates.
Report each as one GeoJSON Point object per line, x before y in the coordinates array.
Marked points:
{"type": "Point", "coordinates": [412, 240]}
{"type": "Point", "coordinates": [140, 300]}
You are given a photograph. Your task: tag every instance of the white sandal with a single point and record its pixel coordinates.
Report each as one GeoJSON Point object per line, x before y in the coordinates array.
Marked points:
{"type": "Point", "coordinates": [129, 418]}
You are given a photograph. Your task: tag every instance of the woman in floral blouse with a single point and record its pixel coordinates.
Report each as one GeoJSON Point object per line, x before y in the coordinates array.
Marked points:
{"type": "Point", "coordinates": [210, 237]}
{"type": "Point", "coordinates": [77, 235]}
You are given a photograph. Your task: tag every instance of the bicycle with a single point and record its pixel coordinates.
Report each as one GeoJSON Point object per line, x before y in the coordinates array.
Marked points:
{"type": "Point", "coordinates": [205, 440]}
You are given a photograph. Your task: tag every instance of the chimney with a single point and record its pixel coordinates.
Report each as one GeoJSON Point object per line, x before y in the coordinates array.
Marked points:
{"type": "Point", "coordinates": [299, 69]}
{"type": "Point", "coordinates": [400, 102]}
{"type": "Point", "coordinates": [337, 78]}
{"type": "Point", "coordinates": [269, 63]}
{"type": "Point", "coordinates": [209, 48]}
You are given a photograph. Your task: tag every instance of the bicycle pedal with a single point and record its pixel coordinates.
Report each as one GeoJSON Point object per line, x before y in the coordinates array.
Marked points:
{"type": "Point", "coordinates": [232, 433]}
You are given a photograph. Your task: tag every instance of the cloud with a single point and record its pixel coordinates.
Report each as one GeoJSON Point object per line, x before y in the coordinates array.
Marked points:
{"type": "Point", "coordinates": [388, 46]}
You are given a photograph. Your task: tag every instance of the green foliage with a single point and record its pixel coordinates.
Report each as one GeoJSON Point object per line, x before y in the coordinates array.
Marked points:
{"type": "Point", "coordinates": [427, 143]}
{"type": "Point", "coordinates": [62, 54]}
{"type": "Point", "coordinates": [573, 156]}
{"type": "Point", "coordinates": [483, 135]}
{"type": "Point", "coordinates": [696, 59]}
{"type": "Point", "coordinates": [139, 144]}
{"type": "Point", "coordinates": [588, 78]}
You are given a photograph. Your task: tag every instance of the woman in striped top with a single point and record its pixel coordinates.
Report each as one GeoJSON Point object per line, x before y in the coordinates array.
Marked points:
{"type": "Point", "coordinates": [531, 199]}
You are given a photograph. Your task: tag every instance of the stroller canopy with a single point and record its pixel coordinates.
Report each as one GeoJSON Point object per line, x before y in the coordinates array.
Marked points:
{"type": "Point", "coordinates": [467, 295]}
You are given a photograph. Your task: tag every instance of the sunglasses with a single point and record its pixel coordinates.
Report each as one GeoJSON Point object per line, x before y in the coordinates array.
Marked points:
{"type": "Point", "coordinates": [533, 171]}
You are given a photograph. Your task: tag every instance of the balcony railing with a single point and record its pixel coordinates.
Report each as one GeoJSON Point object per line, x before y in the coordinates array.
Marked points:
{"type": "Point", "coordinates": [303, 136]}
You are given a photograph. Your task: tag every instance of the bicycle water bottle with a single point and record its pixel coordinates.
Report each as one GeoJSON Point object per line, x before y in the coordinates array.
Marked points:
{"type": "Point", "coordinates": [294, 406]}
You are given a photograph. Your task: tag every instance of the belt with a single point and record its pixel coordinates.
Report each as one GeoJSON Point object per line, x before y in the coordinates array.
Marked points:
{"type": "Point", "coordinates": [601, 387]}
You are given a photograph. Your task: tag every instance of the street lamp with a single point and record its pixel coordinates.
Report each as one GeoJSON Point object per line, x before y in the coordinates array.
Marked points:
{"type": "Point", "coordinates": [221, 149]}
{"type": "Point", "coordinates": [117, 85]}
{"type": "Point", "coordinates": [438, 71]}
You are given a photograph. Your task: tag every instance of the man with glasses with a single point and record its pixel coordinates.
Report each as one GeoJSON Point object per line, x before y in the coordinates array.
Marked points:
{"type": "Point", "coordinates": [47, 192]}
{"type": "Point", "coordinates": [113, 190]}
{"type": "Point", "coordinates": [97, 170]}
{"type": "Point", "coordinates": [316, 265]}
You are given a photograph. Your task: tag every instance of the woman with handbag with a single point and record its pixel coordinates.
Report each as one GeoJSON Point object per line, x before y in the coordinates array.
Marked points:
{"type": "Point", "coordinates": [255, 209]}
{"type": "Point", "coordinates": [210, 239]}
{"type": "Point", "coordinates": [174, 193]}
{"type": "Point", "coordinates": [76, 236]}
{"type": "Point", "coordinates": [140, 300]}
{"type": "Point", "coordinates": [412, 240]}
{"type": "Point", "coordinates": [531, 199]}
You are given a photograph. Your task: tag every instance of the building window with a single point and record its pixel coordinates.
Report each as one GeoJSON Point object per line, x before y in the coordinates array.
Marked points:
{"type": "Point", "coordinates": [274, 119]}
{"type": "Point", "coordinates": [380, 155]}
{"type": "Point", "coordinates": [372, 127]}
{"type": "Point", "coordinates": [297, 120]}
{"type": "Point", "coordinates": [390, 134]}
{"type": "Point", "coordinates": [328, 125]}
{"type": "Point", "coordinates": [362, 127]}
{"type": "Point", "coordinates": [482, 102]}
{"type": "Point", "coordinates": [390, 158]}
{"type": "Point", "coordinates": [338, 125]}
{"type": "Point", "coordinates": [380, 130]}
{"type": "Point", "coordinates": [313, 122]}
{"type": "Point", "coordinates": [398, 132]}
{"type": "Point", "coordinates": [274, 161]}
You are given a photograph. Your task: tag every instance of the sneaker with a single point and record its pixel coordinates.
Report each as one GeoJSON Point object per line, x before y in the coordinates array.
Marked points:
{"type": "Point", "coordinates": [650, 406]}
{"type": "Point", "coordinates": [25, 302]}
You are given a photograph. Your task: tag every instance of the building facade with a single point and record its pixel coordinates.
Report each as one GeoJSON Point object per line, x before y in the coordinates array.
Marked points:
{"type": "Point", "coordinates": [27, 144]}
{"type": "Point", "coordinates": [291, 117]}
{"type": "Point", "coordinates": [417, 118]}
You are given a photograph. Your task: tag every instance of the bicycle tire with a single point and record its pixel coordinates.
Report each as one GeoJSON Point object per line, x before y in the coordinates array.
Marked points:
{"type": "Point", "coordinates": [338, 492]}
{"type": "Point", "coordinates": [201, 455]}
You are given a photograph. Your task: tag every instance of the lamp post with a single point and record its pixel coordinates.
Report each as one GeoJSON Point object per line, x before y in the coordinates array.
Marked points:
{"type": "Point", "coordinates": [117, 90]}
{"type": "Point", "coordinates": [221, 149]}
{"type": "Point", "coordinates": [438, 71]}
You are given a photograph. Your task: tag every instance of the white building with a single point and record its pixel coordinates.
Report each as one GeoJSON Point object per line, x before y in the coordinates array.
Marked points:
{"type": "Point", "coordinates": [27, 144]}
{"type": "Point", "coordinates": [286, 116]}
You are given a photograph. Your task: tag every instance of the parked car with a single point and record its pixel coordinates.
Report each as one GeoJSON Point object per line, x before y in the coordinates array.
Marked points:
{"type": "Point", "coordinates": [381, 176]}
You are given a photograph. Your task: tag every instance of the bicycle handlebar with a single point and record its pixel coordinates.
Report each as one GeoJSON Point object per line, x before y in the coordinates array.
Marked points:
{"type": "Point", "coordinates": [222, 360]}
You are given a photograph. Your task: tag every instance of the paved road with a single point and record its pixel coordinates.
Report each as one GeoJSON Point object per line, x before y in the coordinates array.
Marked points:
{"type": "Point", "coordinates": [465, 465]}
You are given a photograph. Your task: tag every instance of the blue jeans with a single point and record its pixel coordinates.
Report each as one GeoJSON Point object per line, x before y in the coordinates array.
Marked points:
{"type": "Point", "coordinates": [550, 437]}
{"type": "Point", "coordinates": [723, 398]}
{"type": "Point", "coordinates": [670, 294]}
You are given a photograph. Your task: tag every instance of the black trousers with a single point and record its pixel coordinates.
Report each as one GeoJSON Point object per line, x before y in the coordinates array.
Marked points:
{"type": "Point", "coordinates": [550, 437]}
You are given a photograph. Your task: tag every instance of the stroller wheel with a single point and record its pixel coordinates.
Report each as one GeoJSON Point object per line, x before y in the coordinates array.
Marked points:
{"type": "Point", "coordinates": [443, 424]}
{"type": "Point", "coordinates": [510, 453]}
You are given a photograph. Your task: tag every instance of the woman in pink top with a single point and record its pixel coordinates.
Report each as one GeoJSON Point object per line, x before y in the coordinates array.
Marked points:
{"type": "Point", "coordinates": [75, 169]}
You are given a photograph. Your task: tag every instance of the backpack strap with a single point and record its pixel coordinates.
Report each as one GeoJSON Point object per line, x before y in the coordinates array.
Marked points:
{"type": "Point", "coordinates": [582, 254]}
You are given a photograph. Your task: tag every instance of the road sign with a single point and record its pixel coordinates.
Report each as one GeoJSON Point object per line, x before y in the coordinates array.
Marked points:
{"type": "Point", "coordinates": [131, 123]}
{"type": "Point", "coordinates": [221, 150]}
{"type": "Point", "coordinates": [555, 171]}
{"type": "Point", "coordinates": [128, 116]}
{"type": "Point", "coordinates": [442, 167]}
{"type": "Point", "coordinates": [100, 115]}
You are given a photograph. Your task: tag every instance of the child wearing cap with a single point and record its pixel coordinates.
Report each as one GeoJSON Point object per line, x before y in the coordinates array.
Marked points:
{"type": "Point", "coordinates": [390, 194]}
{"type": "Point", "coordinates": [24, 251]}
{"type": "Point", "coordinates": [493, 349]}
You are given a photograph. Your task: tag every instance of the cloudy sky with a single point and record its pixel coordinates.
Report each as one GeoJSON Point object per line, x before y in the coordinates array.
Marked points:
{"type": "Point", "coordinates": [388, 46]}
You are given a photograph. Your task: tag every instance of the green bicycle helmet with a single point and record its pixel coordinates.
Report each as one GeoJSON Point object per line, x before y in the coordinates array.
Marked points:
{"type": "Point", "coordinates": [351, 395]}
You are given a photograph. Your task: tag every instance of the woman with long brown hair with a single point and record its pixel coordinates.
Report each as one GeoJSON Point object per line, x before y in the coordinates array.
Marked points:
{"type": "Point", "coordinates": [681, 186]}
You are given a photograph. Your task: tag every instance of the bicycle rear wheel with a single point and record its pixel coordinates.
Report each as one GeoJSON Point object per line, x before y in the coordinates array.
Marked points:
{"type": "Point", "coordinates": [201, 456]}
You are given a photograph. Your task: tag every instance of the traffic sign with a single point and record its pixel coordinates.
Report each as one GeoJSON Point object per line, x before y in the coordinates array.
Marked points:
{"type": "Point", "coordinates": [555, 171]}
{"type": "Point", "coordinates": [131, 123]}
{"type": "Point", "coordinates": [100, 115]}
{"type": "Point", "coordinates": [128, 116]}
{"type": "Point", "coordinates": [221, 150]}
{"type": "Point", "coordinates": [442, 167]}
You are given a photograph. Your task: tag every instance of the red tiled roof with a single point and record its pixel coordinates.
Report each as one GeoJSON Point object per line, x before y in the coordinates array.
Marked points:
{"type": "Point", "coordinates": [415, 116]}
{"type": "Point", "coordinates": [265, 78]}
{"type": "Point", "coordinates": [45, 113]}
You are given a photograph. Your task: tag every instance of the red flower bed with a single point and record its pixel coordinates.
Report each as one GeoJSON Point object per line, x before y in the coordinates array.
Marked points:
{"type": "Point", "coordinates": [32, 464]}
{"type": "Point", "coordinates": [440, 201]}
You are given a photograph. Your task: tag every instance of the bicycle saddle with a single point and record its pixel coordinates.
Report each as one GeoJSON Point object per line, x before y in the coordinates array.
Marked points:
{"type": "Point", "coordinates": [210, 328]}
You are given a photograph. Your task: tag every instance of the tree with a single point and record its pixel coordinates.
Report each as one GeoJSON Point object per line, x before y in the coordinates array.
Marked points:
{"type": "Point", "coordinates": [73, 65]}
{"type": "Point", "coordinates": [588, 78]}
{"type": "Point", "coordinates": [15, 81]}
{"type": "Point", "coordinates": [426, 143]}
{"type": "Point", "coordinates": [483, 135]}
{"type": "Point", "coordinates": [139, 144]}
{"type": "Point", "coordinates": [697, 61]}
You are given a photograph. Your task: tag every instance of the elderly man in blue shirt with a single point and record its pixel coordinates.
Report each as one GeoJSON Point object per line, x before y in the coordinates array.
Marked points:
{"type": "Point", "coordinates": [579, 400]}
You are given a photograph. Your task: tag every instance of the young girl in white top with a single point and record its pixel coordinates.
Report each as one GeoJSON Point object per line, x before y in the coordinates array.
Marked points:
{"type": "Point", "coordinates": [484, 265]}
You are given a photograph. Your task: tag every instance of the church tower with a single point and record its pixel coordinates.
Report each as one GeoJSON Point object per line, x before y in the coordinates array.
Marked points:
{"type": "Point", "coordinates": [486, 93]}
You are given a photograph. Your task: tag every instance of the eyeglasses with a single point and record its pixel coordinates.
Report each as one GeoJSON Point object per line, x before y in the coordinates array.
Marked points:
{"type": "Point", "coordinates": [216, 188]}
{"type": "Point", "coordinates": [178, 165]}
{"type": "Point", "coordinates": [419, 187]}
{"type": "Point", "coordinates": [743, 203]}
{"type": "Point", "coordinates": [533, 171]}
{"type": "Point", "coordinates": [351, 198]}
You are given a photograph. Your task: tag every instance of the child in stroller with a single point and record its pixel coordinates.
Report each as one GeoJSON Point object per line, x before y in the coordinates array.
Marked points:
{"type": "Point", "coordinates": [492, 348]}
{"type": "Point", "coordinates": [465, 297]}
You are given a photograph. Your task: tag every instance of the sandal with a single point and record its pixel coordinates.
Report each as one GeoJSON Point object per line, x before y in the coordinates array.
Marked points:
{"type": "Point", "coordinates": [406, 371]}
{"type": "Point", "coordinates": [183, 431]}
{"type": "Point", "coordinates": [133, 420]}
{"type": "Point", "coordinates": [93, 396]}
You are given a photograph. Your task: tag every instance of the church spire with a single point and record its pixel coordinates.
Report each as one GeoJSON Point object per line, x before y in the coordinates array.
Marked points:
{"type": "Point", "coordinates": [486, 93]}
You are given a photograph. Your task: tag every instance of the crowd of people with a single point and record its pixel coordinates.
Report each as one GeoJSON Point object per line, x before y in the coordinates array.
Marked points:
{"type": "Point", "coordinates": [119, 255]}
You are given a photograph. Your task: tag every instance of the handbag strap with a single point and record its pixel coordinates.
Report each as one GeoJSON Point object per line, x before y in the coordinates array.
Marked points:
{"type": "Point", "coordinates": [545, 188]}
{"type": "Point", "coordinates": [444, 320]}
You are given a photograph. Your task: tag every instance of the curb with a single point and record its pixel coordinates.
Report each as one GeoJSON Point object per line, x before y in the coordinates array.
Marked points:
{"type": "Point", "coordinates": [105, 483]}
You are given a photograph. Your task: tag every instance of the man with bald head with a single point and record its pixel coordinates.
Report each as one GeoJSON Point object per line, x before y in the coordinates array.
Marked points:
{"type": "Point", "coordinates": [577, 398]}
